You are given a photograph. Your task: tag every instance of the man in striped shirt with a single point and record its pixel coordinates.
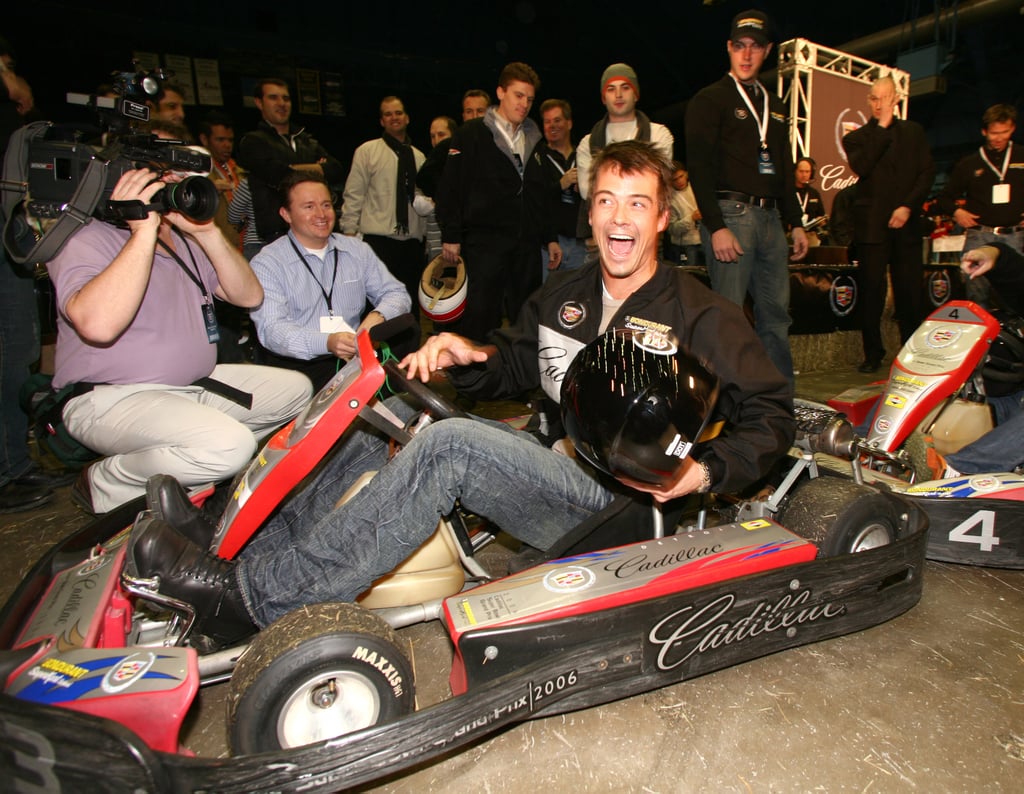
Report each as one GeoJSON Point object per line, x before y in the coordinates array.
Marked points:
{"type": "Point", "coordinates": [316, 284]}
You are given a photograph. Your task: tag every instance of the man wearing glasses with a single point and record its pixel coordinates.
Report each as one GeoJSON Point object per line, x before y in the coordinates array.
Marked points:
{"type": "Point", "coordinates": [737, 143]}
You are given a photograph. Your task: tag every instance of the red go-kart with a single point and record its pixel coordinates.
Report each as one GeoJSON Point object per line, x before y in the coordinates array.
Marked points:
{"type": "Point", "coordinates": [99, 669]}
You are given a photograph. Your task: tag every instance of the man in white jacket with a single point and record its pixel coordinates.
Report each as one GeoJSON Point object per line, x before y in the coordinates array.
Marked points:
{"type": "Point", "coordinates": [381, 199]}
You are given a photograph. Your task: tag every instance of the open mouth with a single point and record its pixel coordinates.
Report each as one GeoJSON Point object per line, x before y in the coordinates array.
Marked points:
{"type": "Point", "coordinates": [620, 244]}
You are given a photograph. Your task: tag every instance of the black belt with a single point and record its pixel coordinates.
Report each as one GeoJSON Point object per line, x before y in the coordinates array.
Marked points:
{"type": "Point", "coordinates": [217, 387]}
{"type": "Point", "coordinates": [745, 198]}
{"type": "Point", "coordinates": [1000, 229]}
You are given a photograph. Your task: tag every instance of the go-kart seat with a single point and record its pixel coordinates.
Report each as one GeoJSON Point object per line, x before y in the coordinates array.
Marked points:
{"type": "Point", "coordinates": [433, 571]}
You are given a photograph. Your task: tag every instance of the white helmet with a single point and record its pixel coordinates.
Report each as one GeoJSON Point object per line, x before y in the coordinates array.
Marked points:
{"type": "Point", "coordinates": [442, 291]}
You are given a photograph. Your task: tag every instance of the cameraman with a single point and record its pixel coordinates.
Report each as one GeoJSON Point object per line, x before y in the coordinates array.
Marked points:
{"type": "Point", "coordinates": [137, 334]}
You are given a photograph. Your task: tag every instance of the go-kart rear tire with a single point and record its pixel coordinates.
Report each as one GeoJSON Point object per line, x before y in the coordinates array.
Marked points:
{"type": "Point", "coordinates": [840, 516]}
{"type": "Point", "coordinates": [318, 672]}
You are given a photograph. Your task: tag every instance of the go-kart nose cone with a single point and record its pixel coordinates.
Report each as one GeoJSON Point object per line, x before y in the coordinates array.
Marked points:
{"type": "Point", "coordinates": [634, 404]}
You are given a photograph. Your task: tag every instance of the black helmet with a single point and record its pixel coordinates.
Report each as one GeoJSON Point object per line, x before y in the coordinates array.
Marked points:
{"type": "Point", "coordinates": [634, 404]}
{"type": "Point", "coordinates": [1003, 368]}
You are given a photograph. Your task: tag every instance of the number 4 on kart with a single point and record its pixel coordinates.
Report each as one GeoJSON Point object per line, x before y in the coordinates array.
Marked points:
{"type": "Point", "coordinates": [987, 540]}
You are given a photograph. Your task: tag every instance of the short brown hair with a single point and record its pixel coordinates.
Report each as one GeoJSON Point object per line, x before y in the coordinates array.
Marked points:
{"type": "Point", "coordinates": [474, 92]}
{"type": "Point", "coordinates": [547, 104]}
{"type": "Point", "coordinates": [298, 177]}
{"type": "Point", "coordinates": [257, 92]}
{"type": "Point", "coordinates": [518, 71]}
{"type": "Point", "coordinates": [999, 114]}
{"type": "Point", "coordinates": [391, 98]}
{"type": "Point", "coordinates": [635, 157]}
{"type": "Point", "coordinates": [451, 123]}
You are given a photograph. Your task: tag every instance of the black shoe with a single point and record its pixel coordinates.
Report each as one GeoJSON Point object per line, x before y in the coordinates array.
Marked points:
{"type": "Point", "coordinates": [37, 477]}
{"type": "Point", "coordinates": [186, 572]}
{"type": "Point", "coordinates": [168, 502]}
{"type": "Point", "coordinates": [15, 498]}
{"type": "Point", "coordinates": [869, 365]}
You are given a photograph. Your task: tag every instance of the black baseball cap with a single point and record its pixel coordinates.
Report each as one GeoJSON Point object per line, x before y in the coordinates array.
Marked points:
{"type": "Point", "coordinates": [751, 24]}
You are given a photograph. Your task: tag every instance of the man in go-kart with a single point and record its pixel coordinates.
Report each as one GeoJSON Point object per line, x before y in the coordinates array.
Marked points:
{"type": "Point", "coordinates": [1002, 448]}
{"type": "Point", "coordinates": [312, 551]}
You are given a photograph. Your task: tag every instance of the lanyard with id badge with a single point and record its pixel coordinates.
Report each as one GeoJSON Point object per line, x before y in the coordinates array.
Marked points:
{"type": "Point", "coordinates": [1000, 190]}
{"type": "Point", "coordinates": [329, 323]}
{"type": "Point", "coordinates": [764, 159]}
{"type": "Point", "coordinates": [209, 314]}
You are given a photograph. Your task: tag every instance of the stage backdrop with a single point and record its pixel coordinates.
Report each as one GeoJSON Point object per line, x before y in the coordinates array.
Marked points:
{"type": "Point", "coordinates": [838, 105]}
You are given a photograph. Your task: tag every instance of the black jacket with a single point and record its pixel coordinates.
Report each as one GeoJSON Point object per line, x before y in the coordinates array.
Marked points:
{"type": "Point", "coordinates": [723, 147]}
{"type": "Point", "coordinates": [1007, 278]}
{"type": "Point", "coordinates": [481, 189]}
{"type": "Point", "coordinates": [973, 180]}
{"type": "Point", "coordinates": [268, 158]}
{"type": "Point", "coordinates": [895, 169]}
{"type": "Point", "coordinates": [565, 314]}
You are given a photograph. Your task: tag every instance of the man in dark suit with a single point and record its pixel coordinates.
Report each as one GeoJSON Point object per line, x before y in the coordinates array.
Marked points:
{"type": "Point", "coordinates": [894, 163]}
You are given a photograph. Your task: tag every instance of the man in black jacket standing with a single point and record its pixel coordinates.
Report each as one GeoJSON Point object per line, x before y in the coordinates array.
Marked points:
{"type": "Point", "coordinates": [273, 149]}
{"type": "Point", "coordinates": [892, 159]}
{"type": "Point", "coordinates": [491, 205]}
{"type": "Point", "coordinates": [741, 169]}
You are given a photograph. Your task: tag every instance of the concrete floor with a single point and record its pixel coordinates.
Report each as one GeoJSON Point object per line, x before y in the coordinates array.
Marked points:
{"type": "Point", "coordinates": [931, 701]}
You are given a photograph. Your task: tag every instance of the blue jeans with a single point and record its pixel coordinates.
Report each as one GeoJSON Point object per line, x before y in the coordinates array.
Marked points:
{"type": "Point", "coordinates": [974, 238]}
{"type": "Point", "coordinates": [762, 270]}
{"type": "Point", "coordinates": [19, 350]}
{"type": "Point", "coordinates": [1002, 447]}
{"type": "Point", "coordinates": [311, 552]}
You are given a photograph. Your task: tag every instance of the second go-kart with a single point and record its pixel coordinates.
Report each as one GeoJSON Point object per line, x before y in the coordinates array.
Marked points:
{"type": "Point", "coordinates": [938, 387]}
{"type": "Point", "coordinates": [99, 668]}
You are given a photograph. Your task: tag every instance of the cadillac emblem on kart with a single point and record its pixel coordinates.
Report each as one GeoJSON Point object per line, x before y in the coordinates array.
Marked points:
{"type": "Point", "coordinates": [687, 632]}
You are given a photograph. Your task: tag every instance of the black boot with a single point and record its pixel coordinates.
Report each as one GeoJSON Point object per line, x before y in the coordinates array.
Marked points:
{"type": "Point", "coordinates": [189, 574]}
{"type": "Point", "coordinates": [168, 501]}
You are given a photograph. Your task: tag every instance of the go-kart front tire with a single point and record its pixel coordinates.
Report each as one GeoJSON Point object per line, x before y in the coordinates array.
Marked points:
{"type": "Point", "coordinates": [840, 516]}
{"type": "Point", "coordinates": [319, 672]}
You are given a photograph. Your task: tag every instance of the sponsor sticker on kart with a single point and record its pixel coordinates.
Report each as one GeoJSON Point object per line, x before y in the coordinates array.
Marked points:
{"type": "Point", "coordinates": [569, 580]}
{"type": "Point", "coordinates": [984, 482]}
{"type": "Point", "coordinates": [943, 336]}
{"type": "Point", "coordinates": [128, 671]}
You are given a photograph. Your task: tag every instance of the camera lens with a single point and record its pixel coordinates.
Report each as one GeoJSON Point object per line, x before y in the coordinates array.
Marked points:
{"type": "Point", "coordinates": [195, 197]}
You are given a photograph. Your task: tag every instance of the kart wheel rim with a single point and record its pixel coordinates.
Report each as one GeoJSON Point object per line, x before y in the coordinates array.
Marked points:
{"type": "Point", "coordinates": [871, 537]}
{"type": "Point", "coordinates": [309, 715]}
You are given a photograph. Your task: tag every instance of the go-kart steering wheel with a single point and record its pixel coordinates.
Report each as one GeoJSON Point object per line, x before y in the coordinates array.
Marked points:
{"type": "Point", "coordinates": [440, 407]}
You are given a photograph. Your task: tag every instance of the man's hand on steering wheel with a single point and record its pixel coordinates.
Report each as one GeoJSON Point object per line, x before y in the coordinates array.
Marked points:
{"type": "Point", "coordinates": [443, 350]}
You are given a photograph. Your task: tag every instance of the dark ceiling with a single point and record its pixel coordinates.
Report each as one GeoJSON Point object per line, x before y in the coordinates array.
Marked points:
{"type": "Point", "coordinates": [430, 52]}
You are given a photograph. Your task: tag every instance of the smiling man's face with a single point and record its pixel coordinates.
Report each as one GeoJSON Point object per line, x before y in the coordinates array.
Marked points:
{"type": "Point", "coordinates": [626, 220]}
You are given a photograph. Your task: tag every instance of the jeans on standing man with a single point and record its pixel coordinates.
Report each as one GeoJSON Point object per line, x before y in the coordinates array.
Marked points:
{"type": "Point", "coordinates": [760, 234]}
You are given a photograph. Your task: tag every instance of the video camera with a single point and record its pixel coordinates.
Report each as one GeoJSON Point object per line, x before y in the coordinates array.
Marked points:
{"type": "Point", "coordinates": [62, 178]}
{"type": "Point", "coordinates": [56, 169]}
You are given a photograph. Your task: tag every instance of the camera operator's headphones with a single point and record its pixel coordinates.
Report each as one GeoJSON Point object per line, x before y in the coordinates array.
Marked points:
{"type": "Point", "coordinates": [22, 241]}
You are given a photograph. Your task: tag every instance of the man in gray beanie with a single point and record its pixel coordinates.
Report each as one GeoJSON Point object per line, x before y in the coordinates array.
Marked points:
{"type": "Point", "coordinates": [620, 91]}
